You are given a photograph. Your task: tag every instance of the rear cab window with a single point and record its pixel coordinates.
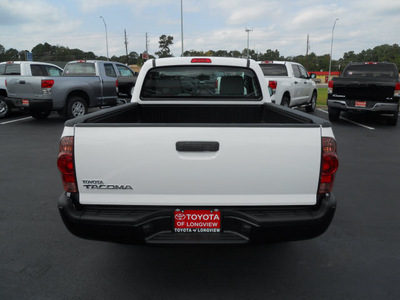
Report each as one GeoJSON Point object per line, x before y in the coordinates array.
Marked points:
{"type": "Point", "coordinates": [270, 69]}
{"type": "Point", "coordinates": [201, 82]}
{"type": "Point", "coordinates": [80, 69]}
{"type": "Point", "coordinates": [12, 69]}
{"type": "Point", "coordinates": [2, 68]}
{"type": "Point", "coordinates": [372, 70]}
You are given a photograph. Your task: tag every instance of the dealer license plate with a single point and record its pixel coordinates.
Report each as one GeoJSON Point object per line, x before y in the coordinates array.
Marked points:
{"type": "Point", "coordinates": [197, 221]}
{"type": "Point", "coordinates": [361, 104]}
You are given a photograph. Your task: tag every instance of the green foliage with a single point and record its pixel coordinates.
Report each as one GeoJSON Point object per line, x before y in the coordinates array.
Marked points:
{"type": "Point", "coordinates": [312, 62]}
{"type": "Point", "coordinates": [382, 53]}
{"type": "Point", "coordinates": [47, 52]}
{"type": "Point", "coordinates": [219, 53]}
{"type": "Point", "coordinates": [270, 55]}
{"type": "Point", "coordinates": [56, 54]}
{"type": "Point", "coordinates": [2, 49]}
{"type": "Point", "coordinates": [11, 54]}
{"type": "Point", "coordinates": [322, 96]}
{"type": "Point", "coordinates": [165, 42]}
{"type": "Point", "coordinates": [132, 58]}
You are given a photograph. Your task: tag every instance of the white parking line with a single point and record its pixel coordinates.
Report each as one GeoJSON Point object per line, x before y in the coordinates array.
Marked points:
{"type": "Point", "coordinates": [13, 121]}
{"type": "Point", "coordinates": [350, 121]}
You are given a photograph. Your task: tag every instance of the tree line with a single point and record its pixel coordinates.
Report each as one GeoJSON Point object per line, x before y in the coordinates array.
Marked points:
{"type": "Point", "coordinates": [49, 53]}
{"type": "Point", "coordinates": [313, 62]}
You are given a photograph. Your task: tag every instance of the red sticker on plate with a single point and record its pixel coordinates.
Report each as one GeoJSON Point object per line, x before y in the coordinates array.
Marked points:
{"type": "Point", "coordinates": [197, 221]}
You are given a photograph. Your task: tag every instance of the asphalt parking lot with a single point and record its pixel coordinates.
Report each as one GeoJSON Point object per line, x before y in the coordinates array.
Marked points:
{"type": "Point", "coordinates": [357, 258]}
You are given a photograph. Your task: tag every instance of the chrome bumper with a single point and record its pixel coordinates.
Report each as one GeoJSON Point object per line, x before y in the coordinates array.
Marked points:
{"type": "Point", "coordinates": [375, 107]}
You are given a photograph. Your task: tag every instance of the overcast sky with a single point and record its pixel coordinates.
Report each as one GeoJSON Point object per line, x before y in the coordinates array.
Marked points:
{"type": "Point", "coordinates": [208, 24]}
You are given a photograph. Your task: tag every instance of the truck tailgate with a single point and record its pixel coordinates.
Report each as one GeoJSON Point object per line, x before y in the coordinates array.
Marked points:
{"type": "Point", "coordinates": [24, 86]}
{"type": "Point", "coordinates": [364, 90]}
{"type": "Point", "coordinates": [253, 165]}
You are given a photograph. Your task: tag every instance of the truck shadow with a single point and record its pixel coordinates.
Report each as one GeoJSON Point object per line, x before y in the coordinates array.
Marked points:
{"type": "Point", "coordinates": [232, 272]}
{"type": "Point", "coordinates": [367, 119]}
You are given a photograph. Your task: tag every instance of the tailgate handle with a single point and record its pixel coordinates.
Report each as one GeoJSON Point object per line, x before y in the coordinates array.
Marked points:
{"type": "Point", "coordinates": [22, 81]}
{"type": "Point", "coordinates": [197, 146]}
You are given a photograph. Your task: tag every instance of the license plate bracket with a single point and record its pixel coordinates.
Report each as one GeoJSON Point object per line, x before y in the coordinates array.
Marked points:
{"type": "Point", "coordinates": [197, 221]}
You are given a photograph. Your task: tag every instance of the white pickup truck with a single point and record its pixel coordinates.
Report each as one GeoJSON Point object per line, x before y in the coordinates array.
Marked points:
{"type": "Point", "coordinates": [200, 155]}
{"type": "Point", "coordinates": [291, 84]}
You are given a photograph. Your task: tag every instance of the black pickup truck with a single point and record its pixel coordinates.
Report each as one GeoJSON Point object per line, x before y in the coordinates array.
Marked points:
{"type": "Point", "coordinates": [368, 87]}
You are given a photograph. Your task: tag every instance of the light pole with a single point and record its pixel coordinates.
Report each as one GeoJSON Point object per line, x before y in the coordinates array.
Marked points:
{"type": "Point", "coordinates": [105, 26]}
{"type": "Point", "coordinates": [330, 59]}
{"type": "Point", "coordinates": [182, 25]}
{"type": "Point", "coordinates": [248, 33]}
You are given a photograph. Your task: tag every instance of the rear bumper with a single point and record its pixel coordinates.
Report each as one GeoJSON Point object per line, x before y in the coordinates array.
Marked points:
{"type": "Point", "coordinates": [372, 106]}
{"type": "Point", "coordinates": [34, 104]}
{"type": "Point", "coordinates": [154, 225]}
{"type": "Point", "coordinates": [110, 101]}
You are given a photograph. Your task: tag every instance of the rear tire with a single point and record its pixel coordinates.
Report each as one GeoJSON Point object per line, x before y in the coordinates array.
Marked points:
{"type": "Point", "coordinates": [285, 101]}
{"type": "Point", "coordinates": [334, 114]}
{"type": "Point", "coordinates": [313, 103]}
{"type": "Point", "coordinates": [76, 107]}
{"type": "Point", "coordinates": [4, 108]}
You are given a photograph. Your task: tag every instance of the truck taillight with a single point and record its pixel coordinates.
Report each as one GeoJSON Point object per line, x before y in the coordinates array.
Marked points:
{"type": "Point", "coordinates": [273, 84]}
{"type": "Point", "coordinates": [47, 83]}
{"type": "Point", "coordinates": [329, 165]}
{"type": "Point", "coordinates": [397, 90]}
{"type": "Point", "coordinates": [330, 86]}
{"type": "Point", "coordinates": [65, 163]}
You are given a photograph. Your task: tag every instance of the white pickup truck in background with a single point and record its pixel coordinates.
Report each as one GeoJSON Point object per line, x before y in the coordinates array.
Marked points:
{"type": "Point", "coordinates": [26, 69]}
{"type": "Point", "coordinates": [200, 155]}
{"type": "Point", "coordinates": [291, 84]}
